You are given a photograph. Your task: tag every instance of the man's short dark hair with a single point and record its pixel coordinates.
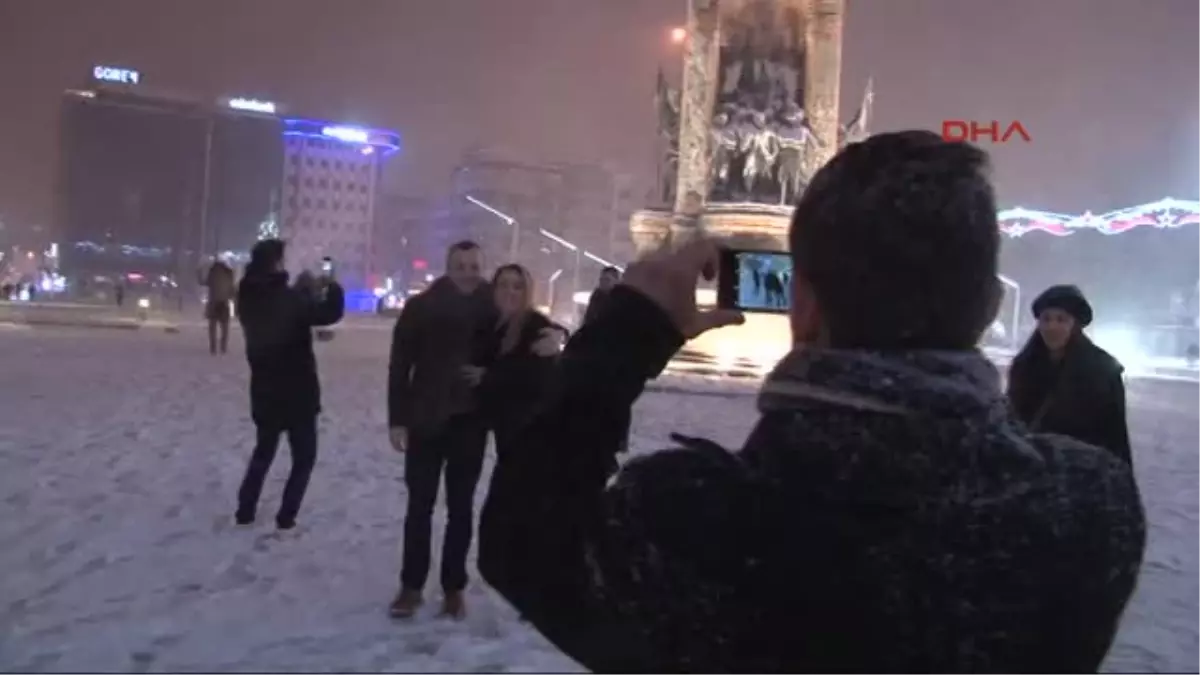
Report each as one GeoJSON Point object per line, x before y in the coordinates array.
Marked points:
{"type": "Point", "coordinates": [462, 245]}
{"type": "Point", "coordinates": [897, 235]}
{"type": "Point", "coordinates": [265, 256]}
{"type": "Point", "coordinates": [610, 270]}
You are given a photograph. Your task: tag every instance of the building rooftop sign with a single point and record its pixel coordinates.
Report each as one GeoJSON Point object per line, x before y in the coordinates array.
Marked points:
{"type": "Point", "coordinates": [253, 105]}
{"type": "Point", "coordinates": [117, 75]}
{"type": "Point", "coordinates": [347, 134]}
{"type": "Point", "coordinates": [370, 139]}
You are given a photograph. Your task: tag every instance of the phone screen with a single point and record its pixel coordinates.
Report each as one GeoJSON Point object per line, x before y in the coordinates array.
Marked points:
{"type": "Point", "coordinates": [326, 265]}
{"type": "Point", "coordinates": [755, 281]}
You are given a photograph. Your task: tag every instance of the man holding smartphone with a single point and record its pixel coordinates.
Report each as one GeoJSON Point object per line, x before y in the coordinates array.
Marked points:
{"type": "Point", "coordinates": [285, 392]}
{"type": "Point", "coordinates": [886, 514]}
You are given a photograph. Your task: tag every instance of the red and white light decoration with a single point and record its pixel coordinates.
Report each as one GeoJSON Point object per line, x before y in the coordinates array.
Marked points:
{"type": "Point", "coordinates": [1165, 214]}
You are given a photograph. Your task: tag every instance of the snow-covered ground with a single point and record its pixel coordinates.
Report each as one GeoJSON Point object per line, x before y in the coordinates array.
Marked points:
{"type": "Point", "coordinates": [120, 452]}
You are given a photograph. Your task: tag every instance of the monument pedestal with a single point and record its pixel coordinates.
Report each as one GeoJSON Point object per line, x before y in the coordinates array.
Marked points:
{"type": "Point", "coordinates": [755, 346]}
{"type": "Point", "coordinates": [758, 227]}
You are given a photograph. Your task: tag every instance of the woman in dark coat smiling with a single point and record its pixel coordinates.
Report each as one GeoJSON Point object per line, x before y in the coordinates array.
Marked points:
{"type": "Point", "coordinates": [1062, 383]}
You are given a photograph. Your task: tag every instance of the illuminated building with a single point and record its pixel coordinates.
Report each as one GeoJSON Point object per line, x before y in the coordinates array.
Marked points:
{"type": "Point", "coordinates": [152, 186]}
{"type": "Point", "coordinates": [330, 189]}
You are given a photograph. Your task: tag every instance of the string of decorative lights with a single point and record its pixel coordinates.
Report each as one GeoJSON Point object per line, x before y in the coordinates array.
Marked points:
{"type": "Point", "coordinates": [1164, 214]}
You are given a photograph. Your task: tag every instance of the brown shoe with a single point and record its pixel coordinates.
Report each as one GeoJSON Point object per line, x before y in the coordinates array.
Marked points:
{"type": "Point", "coordinates": [406, 603]}
{"type": "Point", "coordinates": [453, 606]}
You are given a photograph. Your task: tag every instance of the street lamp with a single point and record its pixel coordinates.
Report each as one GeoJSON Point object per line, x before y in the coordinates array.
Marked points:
{"type": "Point", "coordinates": [550, 290]}
{"type": "Point", "coordinates": [678, 35]}
{"type": "Point", "coordinates": [580, 254]}
{"type": "Point", "coordinates": [578, 260]}
{"type": "Point", "coordinates": [603, 262]}
{"type": "Point", "coordinates": [1015, 323]}
{"type": "Point", "coordinates": [514, 247]}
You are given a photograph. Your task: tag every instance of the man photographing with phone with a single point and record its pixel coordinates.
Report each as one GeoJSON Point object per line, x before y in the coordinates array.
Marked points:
{"type": "Point", "coordinates": [886, 514]}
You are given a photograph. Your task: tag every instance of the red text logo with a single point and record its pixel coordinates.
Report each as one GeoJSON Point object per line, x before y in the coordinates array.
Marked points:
{"type": "Point", "coordinates": [972, 131]}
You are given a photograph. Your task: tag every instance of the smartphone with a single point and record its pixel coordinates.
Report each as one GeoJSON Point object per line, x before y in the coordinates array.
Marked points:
{"type": "Point", "coordinates": [755, 281]}
{"type": "Point", "coordinates": [327, 266]}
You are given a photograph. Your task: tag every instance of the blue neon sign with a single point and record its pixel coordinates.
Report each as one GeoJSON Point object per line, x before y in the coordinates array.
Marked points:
{"type": "Point", "coordinates": [380, 139]}
{"type": "Point", "coordinates": [348, 134]}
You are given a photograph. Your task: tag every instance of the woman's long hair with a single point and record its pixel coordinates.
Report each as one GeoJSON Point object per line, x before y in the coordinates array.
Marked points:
{"type": "Point", "coordinates": [516, 323]}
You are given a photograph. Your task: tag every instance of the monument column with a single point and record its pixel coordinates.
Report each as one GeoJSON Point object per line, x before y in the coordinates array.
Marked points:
{"type": "Point", "coordinates": [697, 94]}
{"type": "Point", "coordinates": [822, 76]}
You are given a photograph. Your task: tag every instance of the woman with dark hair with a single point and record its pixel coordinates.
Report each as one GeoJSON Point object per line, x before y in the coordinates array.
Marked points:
{"type": "Point", "coordinates": [1062, 383]}
{"type": "Point", "coordinates": [512, 374]}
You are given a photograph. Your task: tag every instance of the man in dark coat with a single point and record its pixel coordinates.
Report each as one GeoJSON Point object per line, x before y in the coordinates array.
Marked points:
{"type": "Point", "coordinates": [1062, 383]}
{"type": "Point", "coordinates": [219, 281]}
{"type": "Point", "coordinates": [597, 304]}
{"type": "Point", "coordinates": [434, 420]}
{"type": "Point", "coordinates": [285, 392]}
{"type": "Point", "coordinates": [609, 277]}
{"type": "Point", "coordinates": [886, 514]}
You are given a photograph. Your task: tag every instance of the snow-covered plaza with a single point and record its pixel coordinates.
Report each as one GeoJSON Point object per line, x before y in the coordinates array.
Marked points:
{"type": "Point", "coordinates": [120, 452]}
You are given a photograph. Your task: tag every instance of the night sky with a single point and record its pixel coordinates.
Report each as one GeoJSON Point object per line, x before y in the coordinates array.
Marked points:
{"type": "Point", "coordinates": [1108, 89]}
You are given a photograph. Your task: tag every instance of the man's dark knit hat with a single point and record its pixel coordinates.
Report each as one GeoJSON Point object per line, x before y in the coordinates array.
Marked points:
{"type": "Point", "coordinates": [1069, 299]}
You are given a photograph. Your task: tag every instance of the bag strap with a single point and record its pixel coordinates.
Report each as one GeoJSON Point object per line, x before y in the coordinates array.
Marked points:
{"type": "Point", "coordinates": [1049, 401]}
{"type": "Point", "coordinates": [1041, 412]}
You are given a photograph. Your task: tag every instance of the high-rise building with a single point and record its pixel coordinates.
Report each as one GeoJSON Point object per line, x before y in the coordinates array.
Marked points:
{"type": "Point", "coordinates": [131, 177]}
{"type": "Point", "coordinates": [152, 186]}
{"type": "Point", "coordinates": [331, 179]}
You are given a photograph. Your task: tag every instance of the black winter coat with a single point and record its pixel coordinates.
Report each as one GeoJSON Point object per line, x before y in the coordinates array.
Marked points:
{"type": "Point", "coordinates": [277, 321]}
{"type": "Point", "coordinates": [515, 382]}
{"type": "Point", "coordinates": [885, 515]}
{"type": "Point", "coordinates": [437, 333]}
{"type": "Point", "coordinates": [596, 304]}
{"type": "Point", "coordinates": [1082, 397]}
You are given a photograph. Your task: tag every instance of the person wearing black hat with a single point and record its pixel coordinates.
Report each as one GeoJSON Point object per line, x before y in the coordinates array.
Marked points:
{"type": "Point", "coordinates": [1062, 383]}
{"type": "Point", "coordinates": [285, 393]}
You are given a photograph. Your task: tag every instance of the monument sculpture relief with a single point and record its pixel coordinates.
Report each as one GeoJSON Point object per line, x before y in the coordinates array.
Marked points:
{"type": "Point", "coordinates": [755, 115]}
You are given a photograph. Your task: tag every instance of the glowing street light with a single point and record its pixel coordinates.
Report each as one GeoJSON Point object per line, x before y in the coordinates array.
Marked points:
{"type": "Point", "coordinates": [678, 35]}
{"type": "Point", "coordinates": [515, 246]}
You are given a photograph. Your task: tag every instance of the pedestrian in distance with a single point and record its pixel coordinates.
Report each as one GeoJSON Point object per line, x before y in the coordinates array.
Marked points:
{"type": "Point", "coordinates": [435, 420]}
{"type": "Point", "coordinates": [886, 514]}
{"type": "Point", "coordinates": [609, 277]}
{"type": "Point", "coordinates": [285, 392]}
{"type": "Point", "coordinates": [599, 300]}
{"type": "Point", "coordinates": [221, 287]}
{"type": "Point", "coordinates": [1061, 382]}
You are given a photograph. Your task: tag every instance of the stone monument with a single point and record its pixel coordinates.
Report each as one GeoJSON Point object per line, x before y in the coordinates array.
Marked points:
{"type": "Point", "coordinates": [756, 114]}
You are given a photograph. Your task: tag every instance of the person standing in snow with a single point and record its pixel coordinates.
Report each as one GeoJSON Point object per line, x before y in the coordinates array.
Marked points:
{"type": "Point", "coordinates": [599, 300]}
{"type": "Point", "coordinates": [886, 514]}
{"type": "Point", "coordinates": [285, 392]}
{"type": "Point", "coordinates": [609, 277]}
{"type": "Point", "coordinates": [512, 375]}
{"type": "Point", "coordinates": [1061, 382]}
{"type": "Point", "coordinates": [435, 420]}
{"type": "Point", "coordinates": [219, 281]}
